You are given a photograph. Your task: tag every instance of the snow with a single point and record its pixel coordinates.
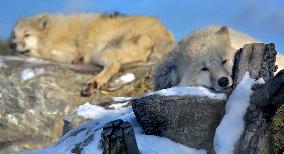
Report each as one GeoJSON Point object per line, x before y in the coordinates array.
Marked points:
{"type": "Point", "coordinates": [126, 78]}
{"type": "Point", "coordinates": [122, 99]}
{"type": "Point", "coordinates": [193, 91]}
{"type": "Point", "coordinates": [232, 125]}
{"type": "Point", "coordinates": [30, 73]}
{"type": "Point", "coordinates": [118, 105]}
{"type": "Point", "coordinates": [95, 112]}
{"type": "Point", "coordinates": [147, 144]}
{"type": "Point", "coordinates": [226, 135]}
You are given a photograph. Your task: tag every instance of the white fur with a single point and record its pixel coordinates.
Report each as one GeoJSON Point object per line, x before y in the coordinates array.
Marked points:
{"type": "Point", "coordinates": [31, 43]}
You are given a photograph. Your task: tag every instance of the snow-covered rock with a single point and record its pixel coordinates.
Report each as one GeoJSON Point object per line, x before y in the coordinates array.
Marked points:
{"type": "Point", "coordinates": [36, 95]}
{"type": "Point", "coordinates": [187, 115]}
{"type": "Point", "coordinates": [30, 73]}
{"type": "Point", "coordinates": [189, 91]}
{"type": "Point", "coordinates": [86, 138]}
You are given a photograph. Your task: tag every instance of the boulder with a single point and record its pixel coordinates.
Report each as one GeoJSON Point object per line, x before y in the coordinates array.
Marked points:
{"type": "Point", "coordinates": [32, 108]}
{"type": "Point", "coordinates": [189, 120]}
{"type": "Point", "coordinates": [277, 131]}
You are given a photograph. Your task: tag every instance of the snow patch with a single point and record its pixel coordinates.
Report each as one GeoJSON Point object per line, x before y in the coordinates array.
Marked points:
{"type": "Point", "coordinates": [232, 125]}
{"type": "Point", "coordinates": [193, 91]}
{"type": "Point", "coordinates": [150, 144]}
{"type": "Point", "coordinates": [122, 99]}
{"type": "Point", "coordinates": [147, 144]}
{"type": "Point", "coordinates": [126, 78]}
{"type": "Point", "coordinates": [30, 73]}
{"type": "Point", "coordinates": [95, 112]}
{"type": "Point", "coordinates": [118, 105]}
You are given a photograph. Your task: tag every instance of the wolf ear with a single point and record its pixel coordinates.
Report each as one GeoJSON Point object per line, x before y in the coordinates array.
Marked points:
{"type": "Point", "coordinates": [43, 21]}
{"type": "Point", "coordinates": [223, 32]}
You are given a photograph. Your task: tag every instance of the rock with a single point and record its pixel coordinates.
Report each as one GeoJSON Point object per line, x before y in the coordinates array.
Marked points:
{"type": "Point", "coordinates": [277, 131]}
{"type": "Point", "coordinates": [71, 122]}
{"type": "Point", "coordinates": [118, 138]}
{"type": "Point", "coordinates": [32, 110]}
{"type": "Point", "coordinates": [189, 120]}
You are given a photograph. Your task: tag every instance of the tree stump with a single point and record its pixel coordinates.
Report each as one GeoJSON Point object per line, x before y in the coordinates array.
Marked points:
{"type": "Point", "coordinates": [118, 138]}
{"type": "Point", "coordinates": [259, 60]}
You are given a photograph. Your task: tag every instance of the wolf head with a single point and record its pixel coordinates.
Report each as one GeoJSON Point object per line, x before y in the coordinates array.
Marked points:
{"type": "Point", "coordinates": [26, 33]}
{"type": "Point", "coordinates": [211, 58]}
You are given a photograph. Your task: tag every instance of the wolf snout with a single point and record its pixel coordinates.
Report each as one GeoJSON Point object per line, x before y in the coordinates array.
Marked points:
{"type": "Point", "coordinates": [13, 46]}
{"type": "Point", "coordinates": [223, 82]}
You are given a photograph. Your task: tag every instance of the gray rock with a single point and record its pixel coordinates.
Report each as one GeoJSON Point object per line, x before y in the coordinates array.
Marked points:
{"type": "Point", "coordinates": [32, 111]}
{"type": "Point", "coordinates": [189, 120]}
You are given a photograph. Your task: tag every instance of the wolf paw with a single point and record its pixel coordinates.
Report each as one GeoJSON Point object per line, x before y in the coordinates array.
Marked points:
{"type": "Point", "coordinates": [89, 88]}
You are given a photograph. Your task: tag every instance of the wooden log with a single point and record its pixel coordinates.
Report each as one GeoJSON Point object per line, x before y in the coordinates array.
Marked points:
{"type": "Point", "coordinates": [118, 138]}
{"type": "Point", "coordinates": [271, 93]}
{"type": "Point", "coordinates": [259, 60]}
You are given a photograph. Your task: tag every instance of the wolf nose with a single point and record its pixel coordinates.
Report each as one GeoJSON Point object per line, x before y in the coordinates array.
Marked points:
{"type": "Point", "coordinates": [13, 46]}
{"type": "Point", "coordinates": [223, 82]}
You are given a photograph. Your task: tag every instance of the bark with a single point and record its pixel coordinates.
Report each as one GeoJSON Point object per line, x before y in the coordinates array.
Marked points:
{"type": "Point", "coordinates": [118, 138]}
{"type": "Point", "coordinates": [259, 60]}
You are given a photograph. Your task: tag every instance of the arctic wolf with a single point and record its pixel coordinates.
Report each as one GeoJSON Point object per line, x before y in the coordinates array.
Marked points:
{"type": "Point", "coordinates": [204, 58]}
{"type": "Point", "coordinates": [106, 40]}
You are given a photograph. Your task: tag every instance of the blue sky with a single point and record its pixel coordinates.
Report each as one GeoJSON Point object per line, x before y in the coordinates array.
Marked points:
{"type": "Point", "coordinates": [262, 19]}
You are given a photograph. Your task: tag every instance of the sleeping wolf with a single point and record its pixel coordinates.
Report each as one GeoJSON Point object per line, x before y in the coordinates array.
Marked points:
{"type": "Point", "coordinates": [106, 40]}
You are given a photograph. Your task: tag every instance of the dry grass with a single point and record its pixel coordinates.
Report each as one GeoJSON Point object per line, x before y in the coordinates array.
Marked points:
{"type": "Point", "coordinates": [4, 47]}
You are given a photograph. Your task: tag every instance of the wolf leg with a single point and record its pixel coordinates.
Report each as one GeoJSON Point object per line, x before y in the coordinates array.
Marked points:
{"type": "Point", "coordinates": [100, 79]}
{"type": "Point", "coordinates": [112, 57]}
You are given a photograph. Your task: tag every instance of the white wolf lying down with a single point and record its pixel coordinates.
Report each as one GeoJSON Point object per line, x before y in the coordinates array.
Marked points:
{"type": "Point", "coordinates": [107, 40]}
{"type": "Point", "coordinates": [204, 58]}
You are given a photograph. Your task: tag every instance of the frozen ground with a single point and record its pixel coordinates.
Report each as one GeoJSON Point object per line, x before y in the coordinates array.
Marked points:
{"type": "Point", "coordinates": [147, 144]}
{"type": "Point", "coordinates": [226, 135]}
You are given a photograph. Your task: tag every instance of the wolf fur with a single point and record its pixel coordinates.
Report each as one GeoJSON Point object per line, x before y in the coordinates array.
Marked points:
{"type": "Point", "coordinates": [204, 58]}
{"type": "Point", "coordinates": [107, 40]}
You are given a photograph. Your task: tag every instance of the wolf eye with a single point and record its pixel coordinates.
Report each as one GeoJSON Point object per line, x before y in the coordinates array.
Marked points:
{"type": "Point", "coordinates": [204, 69]}
{"type": "Point", "coordinates": [224, 61]}
{"type": "Point", "coordinates": [26, 35]}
